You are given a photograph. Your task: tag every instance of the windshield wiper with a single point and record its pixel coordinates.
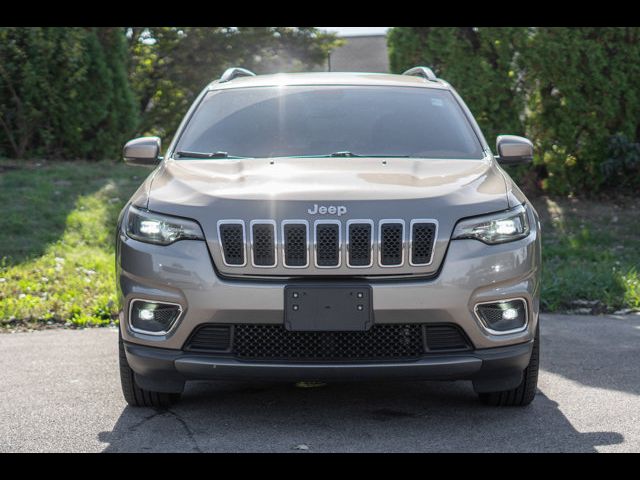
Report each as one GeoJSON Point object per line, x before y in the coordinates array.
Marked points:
{"type": "Point", "coordinates": [206, 155]}
{"type": "Point", "coordinates": [348, 154]}
{"type": "Point", "coordinates": [344, 154]}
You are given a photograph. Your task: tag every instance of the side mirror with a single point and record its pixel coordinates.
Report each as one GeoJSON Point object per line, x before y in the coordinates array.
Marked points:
{"type": "Point", "coordinates": [513, 150]}
{"type": "Point", "coordinates": [142, 151]}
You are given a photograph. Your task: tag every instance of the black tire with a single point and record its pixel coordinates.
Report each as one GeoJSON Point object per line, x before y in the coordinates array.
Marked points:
{"type": "Point", "coordinates": [526, 391]}
{"type": "Point", "coordinates": [136, 396]}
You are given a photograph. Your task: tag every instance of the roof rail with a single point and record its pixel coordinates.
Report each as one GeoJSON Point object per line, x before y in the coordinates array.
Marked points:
{"type": "Point", "coordinates": [424, 72]}
{"type": "Point", "coordinates": [234, 72]}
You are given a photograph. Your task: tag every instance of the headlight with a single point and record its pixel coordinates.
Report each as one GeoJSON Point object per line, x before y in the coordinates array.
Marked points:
{"type": "Point", "coordinates": [160, 229]}
{"type": "Point", "coordinates": [495, 228]}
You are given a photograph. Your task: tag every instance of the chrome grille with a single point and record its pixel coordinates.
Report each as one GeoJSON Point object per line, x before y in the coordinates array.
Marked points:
{"type": "Point", "coordinates": [294, 244]}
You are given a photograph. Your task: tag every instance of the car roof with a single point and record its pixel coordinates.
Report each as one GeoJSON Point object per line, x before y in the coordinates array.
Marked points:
{"type": "Point", "coordinates": [329, 78]}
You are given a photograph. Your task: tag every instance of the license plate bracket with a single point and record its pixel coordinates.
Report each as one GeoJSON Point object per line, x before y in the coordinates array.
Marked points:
{"type": "Point", "coordinates": [313, 308]}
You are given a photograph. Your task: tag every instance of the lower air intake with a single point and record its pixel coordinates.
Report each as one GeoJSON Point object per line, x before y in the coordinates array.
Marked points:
{"type": "Point", "coordinates": [382, 342]}
{"type": "Point", "coordinates": [446, 337]}
{"type": "Point", "coordinates": [210, 338]}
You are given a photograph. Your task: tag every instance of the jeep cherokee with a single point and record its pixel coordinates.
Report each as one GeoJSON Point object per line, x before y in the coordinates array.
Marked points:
{"type": "Point", "coordinates": [328, 226]}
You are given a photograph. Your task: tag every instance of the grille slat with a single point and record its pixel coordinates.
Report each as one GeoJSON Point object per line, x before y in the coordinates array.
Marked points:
{"type": "Point", "coordinates": [232, 241]}
{"type": "Point", "coordinates": [422, 239]}
{"type": "Point", "coordinates": [391, 244]}
{"type": "Point", "coordinates": [360, 244]}
{"type": "Point", "coordinates": [210, 338]}
{"type": "Point", "coordinates": [327, 244]}
{"type": "Point", "coordinates": [263, 244]}
{"type": "Point", "coordinates": [295, 244]}
{"type": "Point", "coordinates": [446, 337]}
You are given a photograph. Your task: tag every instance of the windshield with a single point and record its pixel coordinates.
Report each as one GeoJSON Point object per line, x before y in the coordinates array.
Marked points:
{"type": "Point", "coordinates": [292, 121]}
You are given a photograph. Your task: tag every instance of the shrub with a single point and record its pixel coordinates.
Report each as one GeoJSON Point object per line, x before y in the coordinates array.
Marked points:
{"type": "Point", "coordinates": [582, 90]}
{"type": "Point", "coordinates": [571, 90]}
{"type": "Point", "coordinates": [621, 169]}
{"type": "Point", "coordinates": [64, 92]}
{"type": "Point", "coordinates": [479, 62]}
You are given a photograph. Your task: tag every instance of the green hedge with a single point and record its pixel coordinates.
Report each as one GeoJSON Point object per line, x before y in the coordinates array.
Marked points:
{"type": "Point", "coordinates": [171, 65]}
{"type": "Point", "coordinates": [69, 93]}
{"type": "Point", "coordinates": [64, 93]}
{"type": "Point", "coordinates": [573, 91]}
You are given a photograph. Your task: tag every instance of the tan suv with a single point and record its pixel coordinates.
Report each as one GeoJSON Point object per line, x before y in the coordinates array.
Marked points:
{"type": "Point", "coordinates": [329, 226]}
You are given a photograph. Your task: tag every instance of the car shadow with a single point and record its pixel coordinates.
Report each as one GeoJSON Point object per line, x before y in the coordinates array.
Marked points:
{"type": "Point", "coordinates": [356, 417]}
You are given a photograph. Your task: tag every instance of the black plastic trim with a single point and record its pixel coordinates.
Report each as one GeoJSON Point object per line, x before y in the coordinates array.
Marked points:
{"type": "Point", "coordinates": [484, 366]}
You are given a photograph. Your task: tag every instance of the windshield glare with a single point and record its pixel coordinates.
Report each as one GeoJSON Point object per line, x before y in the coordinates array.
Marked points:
{"type": "Point", "coordinates": [291, 121]}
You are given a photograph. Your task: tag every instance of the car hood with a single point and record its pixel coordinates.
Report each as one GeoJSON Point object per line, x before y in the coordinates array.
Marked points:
{"type": "Point", "coordinates": [196, 183]}
{"type": "Point", "coordinates": [304, 190]}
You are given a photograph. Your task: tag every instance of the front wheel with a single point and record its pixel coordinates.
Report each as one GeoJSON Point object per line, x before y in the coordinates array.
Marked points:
{"type": "Point", "coordinates": [524, 393]}
{"type": "Point", "coordinates": [135, 395]}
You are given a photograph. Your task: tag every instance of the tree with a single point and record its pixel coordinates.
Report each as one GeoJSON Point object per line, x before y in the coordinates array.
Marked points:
{"type": "Point", "coordinates": [572, 90]}
{"type": "Point", "coordinates": [480, 62]}
{"type": "Point", "coordinates": [583, 98]}
{"type": "Point", "coordinates": [79, 92]}
{"type": "Point", "coordinates": [171, 65]}
{"type": "Point", "coordinates": [64, 92]}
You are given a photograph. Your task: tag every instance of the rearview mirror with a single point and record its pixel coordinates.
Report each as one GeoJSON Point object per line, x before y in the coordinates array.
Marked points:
{"type": "Point", "coordinates": [142, 151]}
{"type": "Point", "coordinates": [514, 150]}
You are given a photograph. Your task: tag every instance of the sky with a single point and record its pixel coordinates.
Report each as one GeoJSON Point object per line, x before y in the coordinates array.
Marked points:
{"type": "Point", "coordinates": [348, 31]}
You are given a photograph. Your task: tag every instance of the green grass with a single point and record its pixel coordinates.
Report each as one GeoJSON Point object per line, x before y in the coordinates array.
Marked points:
{"type": "Point", "coordinates": [56, 245]}
{"type": "Point", "coordinates": [590, 251]}
{"type": "Point", "coordinates": [57, 234]}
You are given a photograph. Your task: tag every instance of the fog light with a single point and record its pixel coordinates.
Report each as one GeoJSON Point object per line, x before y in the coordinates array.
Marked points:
{"type": "Point", "coordinates": [146, 314]}
{"type": "Point", "coordinates": [503, 317]}
{"type": "Point", "coordinates": [153, 318]}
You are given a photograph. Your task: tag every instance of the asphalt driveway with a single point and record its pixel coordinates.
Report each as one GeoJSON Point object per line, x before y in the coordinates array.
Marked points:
{"type": "Point", "coordinates": [60, 391]}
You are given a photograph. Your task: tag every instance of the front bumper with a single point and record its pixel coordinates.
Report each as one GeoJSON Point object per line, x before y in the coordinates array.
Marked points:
{"type": "Point", "coordinates": [494, 369]}
{"type": "Point", "coordinates": [471, 273]}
